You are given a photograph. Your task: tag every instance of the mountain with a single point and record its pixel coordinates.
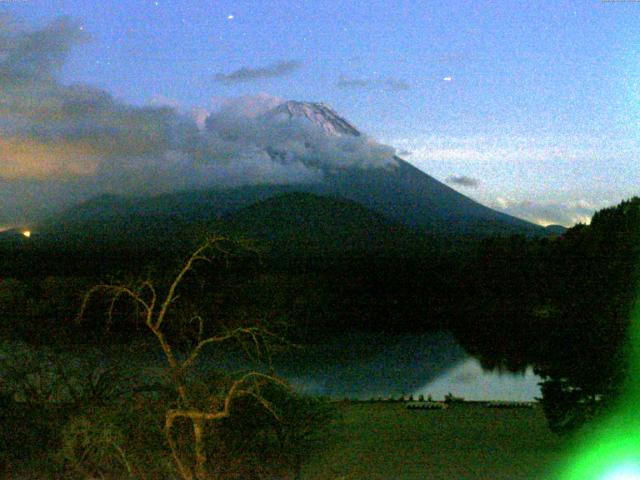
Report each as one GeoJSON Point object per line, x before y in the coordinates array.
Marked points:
{"type": "Point", "coordinates": [305, 224]}
{"type": "Point", "coordinates": [395, 191]}
{"type": "Point", "coordinates": [317, 114]}
{"type": "Point", "coordinates": [555, 230]}
{"type": "Point", "coordinates": [408, 195]}
{"type": "Point", "coordinates": [286, 224]}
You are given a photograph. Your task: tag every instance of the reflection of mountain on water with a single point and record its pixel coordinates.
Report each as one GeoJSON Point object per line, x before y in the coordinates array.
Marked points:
{"type": "Point", "coordinates": [367, 365]}
{"type": "Point", "coordinates": [468, 380]}
{"type": "Point", "coordinates": [354, 365]}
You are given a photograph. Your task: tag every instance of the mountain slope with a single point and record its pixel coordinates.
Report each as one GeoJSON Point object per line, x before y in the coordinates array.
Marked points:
{"type": "Point", "coordinates": [406, 194]}
{"type": "Point", "coordinates": [299, 224]}
{"type": "Point", "coordinates": [317, 114]}
{"type": "Point", "coordinates": [392, 188]}
{"type": "Point", "coordinates": [304, 224]}
{"type": "Point", "coordinates": [397, 189]}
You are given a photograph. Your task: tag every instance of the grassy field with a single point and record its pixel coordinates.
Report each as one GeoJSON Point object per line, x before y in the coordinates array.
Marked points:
{"type": "Point", "coordinates": [469, 441]}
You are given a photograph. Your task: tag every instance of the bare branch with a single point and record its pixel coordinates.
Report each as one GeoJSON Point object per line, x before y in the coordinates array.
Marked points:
{"type": "Point", "coordinates": [254, 339]}
{"type": "Point", "coordinates": [87, 297]}
{"type": "Point", "coordinates": [201, 344]}
{"type": "Point", "coordinates": [196, 256]}
{"type": "Point", "coordinates": [200, 327]}
{"type": "Point", "coordinates": [185, 472]}
{"type": "Point", "coordinates": [149, 286]}
{"type": "Point", "coordinates": [117, 292]}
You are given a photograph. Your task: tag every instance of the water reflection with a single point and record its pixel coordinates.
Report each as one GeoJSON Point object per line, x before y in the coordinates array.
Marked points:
{"type": "Point", "coordinates": [354, 365]}
{"type": "Point", "coordinates": [369, 366]}
{"type": "Point", "coordinates": [468, 380]}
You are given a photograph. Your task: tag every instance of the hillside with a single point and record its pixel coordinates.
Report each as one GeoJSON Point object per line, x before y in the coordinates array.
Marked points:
{"type": "Point", "coordinates": [314, 137]}
{"type": "Point", "coordinates": [285, 223]}
{"type": "Point", "coordinates": [304, 224]}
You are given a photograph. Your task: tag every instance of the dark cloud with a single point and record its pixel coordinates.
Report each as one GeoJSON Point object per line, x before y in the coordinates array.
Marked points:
{"type": "Point", "coordinates": [36, 55]}
{"type": "Point", "coordinates": [249, 74]}
{"type": "Point", "coordinates": [61, 144]}
{"type": "Point", "coordinates": [389, 84]}
{"type": "Point", "coordinates": [463, 181]}
{"type": "Point", "coordinates": [395, 85]}
{"type": "Point", "coordinates": [354, 83]}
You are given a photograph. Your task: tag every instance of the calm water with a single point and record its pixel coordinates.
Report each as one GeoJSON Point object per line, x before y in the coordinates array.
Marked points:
{"type": "Point", "coordinates": [357, 366]}
{"type": "Point", "coordinates": [367, 367]}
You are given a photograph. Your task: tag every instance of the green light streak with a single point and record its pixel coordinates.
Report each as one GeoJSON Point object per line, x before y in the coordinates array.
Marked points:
{"type": "Point", "coordinates": [612, 451]}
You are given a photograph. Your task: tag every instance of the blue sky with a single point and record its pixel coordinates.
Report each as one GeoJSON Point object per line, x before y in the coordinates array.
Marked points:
{"type": "Point", "coordinates": [530, 107]}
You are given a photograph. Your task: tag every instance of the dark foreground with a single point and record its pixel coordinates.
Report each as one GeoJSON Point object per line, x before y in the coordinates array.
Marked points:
{"type": "Point", "coordinates": [388, 441]}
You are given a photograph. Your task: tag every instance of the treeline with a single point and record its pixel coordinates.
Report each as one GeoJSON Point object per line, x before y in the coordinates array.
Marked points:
{"type": "Point", "coordinates": [562, 305]}
{"type": "Point", "coordinates": [317, 296]}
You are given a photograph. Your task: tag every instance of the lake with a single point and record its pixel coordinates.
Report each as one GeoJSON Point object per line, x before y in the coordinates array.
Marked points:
{"type": "Point", "coordinates": [364, 366]}
{"type": "Point", "coordinates": [353, 365]}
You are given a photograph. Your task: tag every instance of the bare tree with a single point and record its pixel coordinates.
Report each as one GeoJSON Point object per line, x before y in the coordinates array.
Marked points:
{"type": "Point", "coordinates": [153, 308]}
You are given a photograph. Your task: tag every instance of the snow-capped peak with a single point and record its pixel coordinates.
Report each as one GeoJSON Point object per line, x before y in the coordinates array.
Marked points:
{"type": "Point", "coordinates": [318, 114]}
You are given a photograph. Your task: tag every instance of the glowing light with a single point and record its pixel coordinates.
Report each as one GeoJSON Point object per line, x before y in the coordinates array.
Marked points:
{"type": "Point", "coordinates": [27, 233]}
{"type": "Point", "coordinates": [612, 451]}
{"type": "Point", "coordinates": [26, 159]}
{"type": "Point", "coordinates": [624, 472]}
{"type": "Point", "coordinates": [230, 17]}
{"type": "Point", "coordinates": [447, 79]}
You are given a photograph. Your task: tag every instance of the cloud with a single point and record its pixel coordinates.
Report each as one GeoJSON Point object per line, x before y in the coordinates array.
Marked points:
{"type": "Point", "coordinates": [550, 213]}
{"type": "Point", "coordinates": [389, 84]}
{"type": "Point", "coordinates": [163, 101]}
{"type": "Point", "coordinates": [395, 85]}
{"type": "Point", "coordinates": [245, 106]}
{"type": "Point", "coordinates": [61, 144]}
{"type": "Point", "coordinates": [354, 83]}
{"type": "Point", "coordinates": [36, 55]}
{"type": "Point", "coordinates": [292, 141]}
{"type": "Point", "coordinates": [512, 148]}
{"type": "Point", "coordinates": [32, 160]}
{"type": "Point", "coordinates": [464, 181]}
{"type": "Point", "coordinates": [250, 74]}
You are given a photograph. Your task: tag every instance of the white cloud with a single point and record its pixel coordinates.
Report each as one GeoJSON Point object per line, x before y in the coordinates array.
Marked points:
{"type": "Point", "coordinates": [559, 179]}
{"type": "Point", "coordinates": [550, 213]}
{"type": "Point", "coordinates": [512, 148]}
{"type": "Point", "coordinates": [62, 144]}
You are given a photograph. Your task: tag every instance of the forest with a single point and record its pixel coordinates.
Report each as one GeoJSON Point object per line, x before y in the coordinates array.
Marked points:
{"type": "Point", "coordinates": [560, 304]}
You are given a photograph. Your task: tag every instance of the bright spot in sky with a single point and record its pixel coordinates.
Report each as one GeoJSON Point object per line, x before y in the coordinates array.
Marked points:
{"type": "Point", "coordinates": [447, 79]}
{"type": "Point", "coordinates": [230, 17]}
{"type": "Point", "coordinates": [27, 233]}
{"type": "Point", "coordinates": [624, 472]}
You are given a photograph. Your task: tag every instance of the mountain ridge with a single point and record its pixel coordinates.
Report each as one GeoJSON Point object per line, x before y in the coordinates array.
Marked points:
{"type": "Point", "coordinates": [319, 114]}
{"type": "Point", "coordinates": [396, 190]}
